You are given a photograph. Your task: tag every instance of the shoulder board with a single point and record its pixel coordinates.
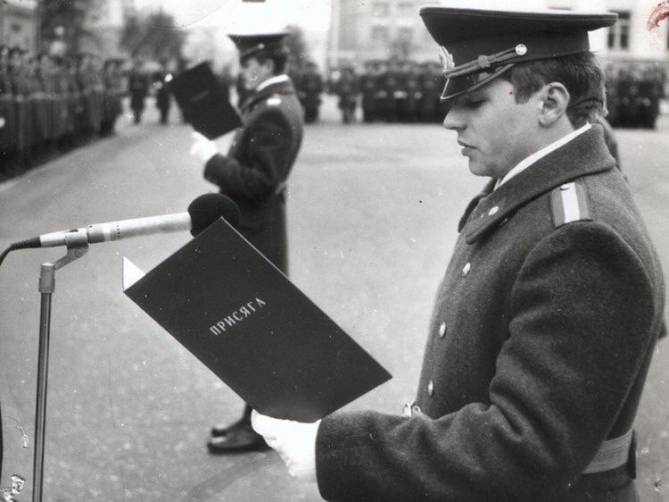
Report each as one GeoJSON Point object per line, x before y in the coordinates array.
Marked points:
{"type": "Point", "coordinates": [273, 100]}
{"type": "Point", "coordinates": [569, 202]}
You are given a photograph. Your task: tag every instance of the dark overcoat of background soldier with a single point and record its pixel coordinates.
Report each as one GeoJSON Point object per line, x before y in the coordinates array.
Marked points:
{"type": "Point", "coordinates": [138, 87]}
{"type": "Point", "coordinates": [347, 89]}
{"type": "Point", "coordinates": [162, 92]}
{"type": "Point", "coordinates": [309, 87]}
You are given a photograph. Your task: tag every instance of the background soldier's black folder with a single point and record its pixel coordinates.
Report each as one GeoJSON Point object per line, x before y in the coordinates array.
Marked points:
{"type": "Point", "coordinates": [237, 313]}
{"type": "Point", "coordinates": [203, 102]}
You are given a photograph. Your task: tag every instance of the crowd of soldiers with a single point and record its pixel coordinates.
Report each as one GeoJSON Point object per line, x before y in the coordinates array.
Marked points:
{"type": "Point", "coordinates": [385, 91]}
{"type": "Point", "coordinates": [50, 104]}
{"type": "Point", "coordinates": [634, 91]}
{"type": "Point", "coordinates": [403, 91]}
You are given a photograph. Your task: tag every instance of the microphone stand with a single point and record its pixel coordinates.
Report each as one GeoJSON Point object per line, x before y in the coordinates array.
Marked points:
{"type": "Point", "coordinates": [77, 246]}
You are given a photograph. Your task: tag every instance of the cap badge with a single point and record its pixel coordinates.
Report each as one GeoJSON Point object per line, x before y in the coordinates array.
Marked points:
{"type": "Point", "coordinates": [274, 101]}
{"type": "Point", "coordinates": [446, 59]}
{"type": "Point", "coordinates": [521, 49]}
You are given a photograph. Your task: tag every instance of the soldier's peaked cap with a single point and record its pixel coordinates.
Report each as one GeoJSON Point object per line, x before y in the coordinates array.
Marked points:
{"type": "Point", "coordinates": [479, 45]}
{"type": "Point", "coordinates": [251, 44]}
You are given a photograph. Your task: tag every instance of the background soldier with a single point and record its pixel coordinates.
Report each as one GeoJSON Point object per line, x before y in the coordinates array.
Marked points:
{"type": "Point", "coordinates": [309, 90]}
{"type": "Point", "coordinates": [368, 90]}
{"type": "Point", "coordinates": [43, 97]}
{"type": "Point", "coordinates": [381, 97]}
{"type": "Point", "coordinates": [138, 87]}
{"type": "Point", "coordinates": [430, 104]}
{"type": "Point", "coordinates": [7, 116]}
{"type": "Point", "coordinates": [21, 86]}
{"type": "Point", "coordinates": [162, 90]}
{"type": "Point", "coordinates": [410, 79]}
{"type": "Point", "coordinates": [347, 89]}
{"type": "Point", "coordinates": [113, 105]}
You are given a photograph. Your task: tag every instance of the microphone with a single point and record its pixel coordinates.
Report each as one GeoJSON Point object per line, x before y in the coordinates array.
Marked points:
{"type": "Point", "coordinates": [202, 212]}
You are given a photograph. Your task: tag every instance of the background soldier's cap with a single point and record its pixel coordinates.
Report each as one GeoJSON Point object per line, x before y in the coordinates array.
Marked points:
{"type": "Point", "coordinates": [252, 44]}
{"type": "Point", "coordinates": [479, 45]}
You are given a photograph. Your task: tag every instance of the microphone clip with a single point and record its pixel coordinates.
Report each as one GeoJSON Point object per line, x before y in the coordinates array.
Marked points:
{"type": "Point", "coordinates": [77, 246]}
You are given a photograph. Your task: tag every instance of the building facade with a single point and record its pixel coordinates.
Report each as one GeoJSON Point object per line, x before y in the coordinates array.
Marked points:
{"type": "Point", "coordinates": [18, 24]}
{"type": "Point", "coordinates": [105, 22]}
{"type": "Point", "coordinates": [379, 29]}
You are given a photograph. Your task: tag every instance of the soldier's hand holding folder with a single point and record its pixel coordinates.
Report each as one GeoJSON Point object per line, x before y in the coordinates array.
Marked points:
{"type": "Point", "coordinates": [294, 441]}
{"type": "Point", "coordinates": [202, 148]}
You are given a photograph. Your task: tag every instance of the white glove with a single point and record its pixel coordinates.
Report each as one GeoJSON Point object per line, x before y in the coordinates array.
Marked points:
{"type": "Point", "coordinates": [294, 441]}
{"type": "Point", "coordinates": [202, 149]}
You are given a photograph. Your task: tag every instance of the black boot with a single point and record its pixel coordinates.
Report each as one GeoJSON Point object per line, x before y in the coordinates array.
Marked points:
{"type": "Point", "coordinates": [239, 437]}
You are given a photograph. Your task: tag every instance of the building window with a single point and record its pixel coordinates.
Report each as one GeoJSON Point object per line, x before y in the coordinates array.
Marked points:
{"type": "Point", "coordinates": [405, 34]}
{"type": "Point", "coordinates": [380, 9]}
{"type": "Point", "coordinates": [619, 33]}
{"type": "Point", "coordinates": [406, 10]}
{"type": "Point", "coordinates": [380, 34]}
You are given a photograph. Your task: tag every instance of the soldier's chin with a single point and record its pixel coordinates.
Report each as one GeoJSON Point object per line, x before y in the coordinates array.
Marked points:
{"type": "Point", "coordinates": [250, 84]}
{"type": "Point", "coordinates": [478, 169]}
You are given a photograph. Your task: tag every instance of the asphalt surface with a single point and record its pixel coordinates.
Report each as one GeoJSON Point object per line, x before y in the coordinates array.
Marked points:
{"type": "Point", "coordinates": [373, 211]}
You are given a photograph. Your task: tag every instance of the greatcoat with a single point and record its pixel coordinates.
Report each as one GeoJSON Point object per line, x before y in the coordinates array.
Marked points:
{"type": "Point", "coordinates": [541, 337]}
{"type": "Point", "coordinates": [257, 165]}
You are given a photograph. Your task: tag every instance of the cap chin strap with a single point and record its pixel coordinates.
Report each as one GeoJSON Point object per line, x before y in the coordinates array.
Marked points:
{"type": "Point", "coordinates": [445, 96]}
{"type": "Point", "coordinates": [483, 62]}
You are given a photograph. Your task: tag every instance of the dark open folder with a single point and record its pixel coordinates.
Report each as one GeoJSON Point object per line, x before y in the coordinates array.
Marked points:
{"type": "Point", "coordinates": [203, 102]}
{"type": "Point", "coordinates": [242, 317]}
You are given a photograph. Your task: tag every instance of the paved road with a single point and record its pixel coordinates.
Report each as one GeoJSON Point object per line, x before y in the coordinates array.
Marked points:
{"type": "Point", "coordinates": [372, 216]}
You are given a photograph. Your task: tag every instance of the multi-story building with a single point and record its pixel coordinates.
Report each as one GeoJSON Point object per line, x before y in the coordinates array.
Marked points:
{"type": "Point", "coordinates": [104, 23]}
{"type": "Point", "coordinates": [18, 23]}
{"type": "Point", "coordinates": [378, 29]}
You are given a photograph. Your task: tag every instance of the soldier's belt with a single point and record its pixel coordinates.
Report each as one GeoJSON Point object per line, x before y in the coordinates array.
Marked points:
{"type": "Point", "coordinates": [613, 453]}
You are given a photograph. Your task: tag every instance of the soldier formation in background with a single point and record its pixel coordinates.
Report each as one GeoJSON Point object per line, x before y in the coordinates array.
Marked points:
{"type": "Point", "coordinates": [390, 91]}
{"type": "Point", "coordinates": [50, 104]}
{"type": "Point", "coordinates": [634, 91]}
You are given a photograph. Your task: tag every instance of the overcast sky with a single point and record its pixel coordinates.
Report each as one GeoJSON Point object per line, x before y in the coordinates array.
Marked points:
{"type": "Point", "coordinates": [312, 15]}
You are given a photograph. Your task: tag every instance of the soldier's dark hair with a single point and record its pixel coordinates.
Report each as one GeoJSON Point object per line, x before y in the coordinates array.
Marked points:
{"type": "Point", "coordinates": [580, 73]}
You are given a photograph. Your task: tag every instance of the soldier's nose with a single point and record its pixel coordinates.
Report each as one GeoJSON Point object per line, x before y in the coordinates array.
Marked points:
{"type": "Point", "coordinates": [454, 120]}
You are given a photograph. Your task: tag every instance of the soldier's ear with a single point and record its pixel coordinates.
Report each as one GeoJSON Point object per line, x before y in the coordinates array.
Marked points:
{"type": "Point", "coordinates": [553, 99]}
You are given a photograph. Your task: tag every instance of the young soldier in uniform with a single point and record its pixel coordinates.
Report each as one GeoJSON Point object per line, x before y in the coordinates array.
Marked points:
{"type": "Point", "coordinates": [547, 317]}
{"type": "Point", "coordinates": [254, 173]}
{"type": "Point", "coordinates": [138, 88]}
{"type": "Point", "coordinates": [310, 88]}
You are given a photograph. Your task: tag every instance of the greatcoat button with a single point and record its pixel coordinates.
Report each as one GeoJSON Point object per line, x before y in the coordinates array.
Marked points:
{"type": "Point", "coordinates": [430, 388]}
{"type": "Point", "coordinates": [493, 210]}
{"type": "Point", "coordinates": [442, 330]}
{"type": "Point", "coordinates": [466, 269]}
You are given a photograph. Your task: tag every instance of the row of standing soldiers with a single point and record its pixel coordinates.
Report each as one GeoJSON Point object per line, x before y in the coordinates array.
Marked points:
{"type": "Point", "coordinates": [385, 91]}
{"type": "Point", "coordinates": [50, 103]}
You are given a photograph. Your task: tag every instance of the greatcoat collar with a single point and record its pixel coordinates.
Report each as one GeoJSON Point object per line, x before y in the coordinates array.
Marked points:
{"type": "Point", "coordinates": [584, 155]}
{"type": "Point", "coordinates": [285, 87]}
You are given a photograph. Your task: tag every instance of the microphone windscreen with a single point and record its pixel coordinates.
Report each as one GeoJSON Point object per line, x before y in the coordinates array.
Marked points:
{"type": "Point", "coordinates": [208, 208]}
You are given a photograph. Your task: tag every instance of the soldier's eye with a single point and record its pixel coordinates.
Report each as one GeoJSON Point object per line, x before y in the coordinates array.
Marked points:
{"type": "Point", "coordinates": [474, 102]}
